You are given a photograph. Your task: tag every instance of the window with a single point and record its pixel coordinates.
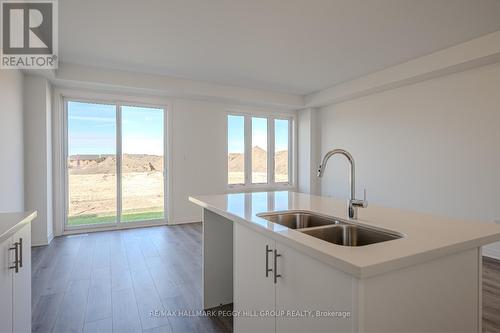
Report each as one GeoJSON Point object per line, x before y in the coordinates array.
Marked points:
{"type": "Point", "coordinates": [115, 164]}
{"type": "Point", "coordinates": [281, 145]}
{"type": "Point", "coordinates": [236, 149]}
{"type": "Point", "coordinates": [258, 149]}
{"type": "Point", "coordinates": [92, 168]}
{"type": "Point", "coordinates": [142, 176]}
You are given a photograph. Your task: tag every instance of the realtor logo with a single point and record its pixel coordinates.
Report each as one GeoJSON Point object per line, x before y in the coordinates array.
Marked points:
{"type": "Point", "coordinates": [29, 34]}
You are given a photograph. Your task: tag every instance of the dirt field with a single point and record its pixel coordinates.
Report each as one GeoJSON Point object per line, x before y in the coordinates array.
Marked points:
{"type": "Point", "coordinates": [259, 164]}
{"type": "Point", "coordinates": [92, 184]}
{"type": "Point", "coordinates": [92, 189]}
{"type": "Point", "coordinates": [96, 193]}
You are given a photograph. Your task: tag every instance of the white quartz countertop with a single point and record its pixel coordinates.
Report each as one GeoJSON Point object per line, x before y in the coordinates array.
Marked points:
{"type": "Point", "coordinates": [426, 236]}
{"type": "Point", "coordinates": [10, 223]}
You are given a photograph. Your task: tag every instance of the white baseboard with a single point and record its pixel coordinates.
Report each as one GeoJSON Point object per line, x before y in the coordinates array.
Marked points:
{"type": "Point", "coordinates": [123, 226]}
{"type": "Point", "coordinates": [35, 243]}
{"type": "Point", "coordinates": [184, 221]}
{"type": "Point", "coordinates": [42, 242]}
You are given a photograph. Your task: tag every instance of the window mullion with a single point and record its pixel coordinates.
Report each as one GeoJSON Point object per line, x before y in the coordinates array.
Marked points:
{"type": "Point", "coordinates": [248, 150]}
{"type": "Point", "coordinates": [118, 163]}
{"type": "Point", "coordinates": [271, 151]}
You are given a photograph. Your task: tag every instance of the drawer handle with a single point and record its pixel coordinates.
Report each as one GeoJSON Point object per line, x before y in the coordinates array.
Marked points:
{"type": "Point", "coordinates": [267, 261]}
{"type": "Point", "coordinates": [276, 275]}
{"type": "Point", "coordinates": [15, 248]}
{"type": "Point", "coordinates": [20, 244]}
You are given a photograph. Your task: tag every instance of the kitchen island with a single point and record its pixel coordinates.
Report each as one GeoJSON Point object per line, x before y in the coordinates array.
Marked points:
{"type": "Point", "coordinates": [426, 277]}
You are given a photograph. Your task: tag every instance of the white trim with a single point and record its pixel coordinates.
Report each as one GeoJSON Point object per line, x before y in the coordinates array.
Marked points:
{"type": "Point", "coordinates": [480, 290]}
{"type": "Point", "coordinates": [477, 52]}
{"type": "Point", "coordinates": [64, 166]}
{"type": "Point", "coordinates": [59, 149]}
{"type": "Point", "coordinates": [247, 171]}
{"type": "Point", "coordinates": [261, 113]}
{"type": "Point", "coordinates": [295, 153]}
{"type": "Point", "coordinates": [185, 221]}
{"type": "Point", "coordinates": [122, 82]}
{"type": "Point", "coordinates": [271, 158]}
{"type": "Point", "coordinates": [292, 151]}
{"type": "Point", "coordinates": [118, 171]}
{"type": "Point", "coordinates": [167, 161]}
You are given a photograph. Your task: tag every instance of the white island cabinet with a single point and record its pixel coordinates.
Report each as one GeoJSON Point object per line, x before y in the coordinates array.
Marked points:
{"type": "Point", "coordinates": [15, 272]}
{"type": "Point", "coordinates": [287, 303]}
{"type": "Point", "coordinates": [310, 296]}
{"type": "Point", "coordinates": [428, 279]}
{"type": "Point", "coordinates": [254, 289]}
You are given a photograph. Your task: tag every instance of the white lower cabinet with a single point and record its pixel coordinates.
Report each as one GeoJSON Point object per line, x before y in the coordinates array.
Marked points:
{"type": "Point", "coordinates": [302, 294]}
{"type": "Point", "coordinates": [305, 285]}
{"type": "Point", "coordinates": [21, 282]}
{"type": "Point", "coordinates": [15, 282]}
{"type": "Point", "coordinates": [5, 287]}
{"type": "Point", "coordinates": [305, 296]}
{"type": "Point", "coordinates": [254, 292]}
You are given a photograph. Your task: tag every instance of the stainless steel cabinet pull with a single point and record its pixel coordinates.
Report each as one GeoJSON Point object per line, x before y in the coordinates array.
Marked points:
{"type": "Point", "coordinates": [20, 244]}
{"type": "Point", "coordinates": [276, 275]}
{"type": "Point", "coordinates": [267, 260]}
{"type": "Point", "coordinates": [15, 248]}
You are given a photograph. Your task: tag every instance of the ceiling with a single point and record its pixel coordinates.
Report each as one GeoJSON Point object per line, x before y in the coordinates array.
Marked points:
{"type": "Point", "coordinates": [293, 46]}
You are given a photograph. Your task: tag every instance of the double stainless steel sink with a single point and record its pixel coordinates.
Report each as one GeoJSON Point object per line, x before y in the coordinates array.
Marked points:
{"type": "Point", "coordinates": [298, 220]}
{"type": "Point", "coordinates": [330, 229]}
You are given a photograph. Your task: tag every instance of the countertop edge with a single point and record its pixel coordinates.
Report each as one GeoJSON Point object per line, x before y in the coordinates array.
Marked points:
{"type": "Point", "coordinates": [321, 256]}
{"type": "Point", "coordinates": [27, 218]}
{"type": "Point", "coordinates": [360, 272]}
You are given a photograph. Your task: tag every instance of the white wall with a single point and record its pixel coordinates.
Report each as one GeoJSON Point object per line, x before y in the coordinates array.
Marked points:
{"type": "Point", "coordinates": [431, 147]}
{"type": "Point", "coordinates": [198, 155]}
{"type": "Point", "coordinates": [199, 161]}
{"type": "Point", "coordinates": [308, 151]}
{"type": "Point", "coordinates": [197, 140]}
{"type": "Point", "coordinates": [11, 141]}
{"type": "Point", "coordinates": [38, 156]}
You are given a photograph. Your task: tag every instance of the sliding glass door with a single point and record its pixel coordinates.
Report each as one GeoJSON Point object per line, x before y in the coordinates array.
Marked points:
{"type": "Point", "coordinates": [142, 164]}
{"type": "Point", "coordinates": [91, 163]}
{"type": "Point", "coordinates": [115, 164]}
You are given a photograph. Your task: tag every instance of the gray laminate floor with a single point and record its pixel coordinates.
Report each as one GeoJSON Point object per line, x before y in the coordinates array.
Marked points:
{"type": "Point", "coordinates": [491, 295]}
{"type": "Point", "coordinates": [112, 281]}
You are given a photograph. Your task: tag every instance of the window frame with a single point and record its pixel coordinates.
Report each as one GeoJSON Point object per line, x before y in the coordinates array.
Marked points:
{"type": "Point", "coordinates": [118, 104]}
{"type": "Point", "coordinates": [292, 153]}
{"type": "Point", "coordinates": [60, 96]}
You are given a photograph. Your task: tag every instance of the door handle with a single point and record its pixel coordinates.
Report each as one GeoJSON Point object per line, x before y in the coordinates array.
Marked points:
{"type": "Point", "coordinates": [276, 275]}
{"type": "Point", "coordinates": [15, 248]}
{"type": "Point", "coordinates": [267, 261]}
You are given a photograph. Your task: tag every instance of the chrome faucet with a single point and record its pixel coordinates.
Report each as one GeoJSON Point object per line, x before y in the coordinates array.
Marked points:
{"type": "Point", "coordinates": [353, 202]}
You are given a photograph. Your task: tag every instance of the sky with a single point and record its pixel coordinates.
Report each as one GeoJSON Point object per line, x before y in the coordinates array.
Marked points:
{"type": "Point", "coordinates": [259, 133]}
{"type": "Point", "coordinates": [92, 129]}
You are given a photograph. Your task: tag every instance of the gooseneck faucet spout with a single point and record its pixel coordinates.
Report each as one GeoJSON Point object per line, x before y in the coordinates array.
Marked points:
{"type": "Point", "coordinates": [353, 202]}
